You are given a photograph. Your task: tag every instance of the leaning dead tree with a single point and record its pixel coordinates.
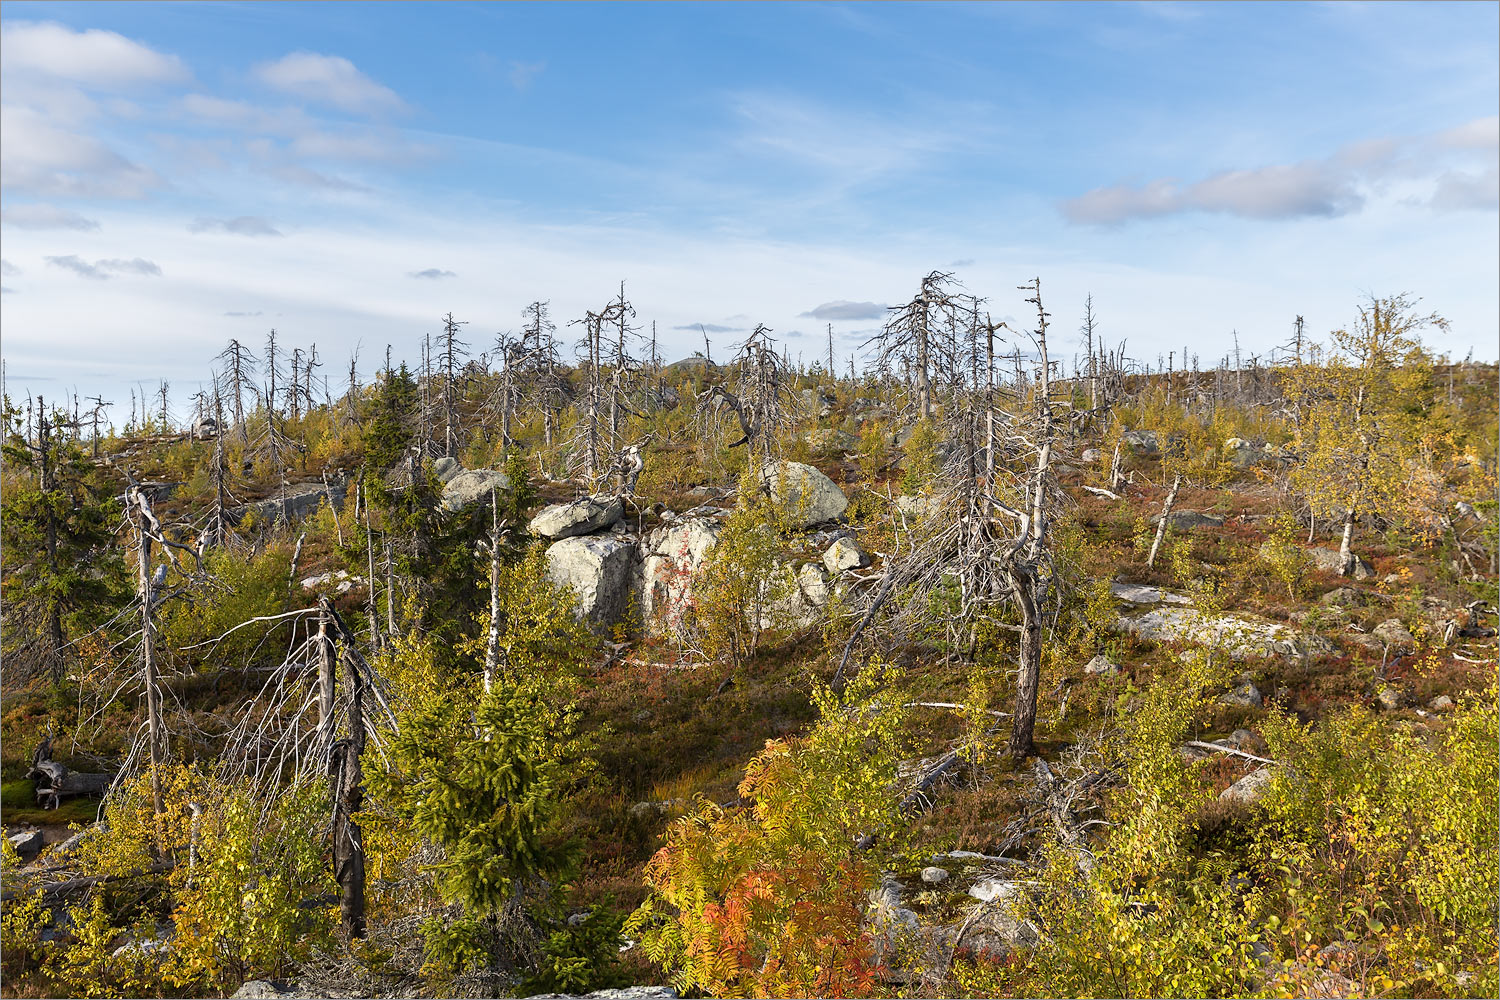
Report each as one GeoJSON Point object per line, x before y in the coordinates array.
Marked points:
{"type": "Point", "coordinates": [988, 545]}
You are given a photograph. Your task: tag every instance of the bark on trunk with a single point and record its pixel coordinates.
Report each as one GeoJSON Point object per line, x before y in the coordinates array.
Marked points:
{"type": "Point", "coordinates": [1346, 556]}
{"type": "Point", "coordinates": [1161, 525]}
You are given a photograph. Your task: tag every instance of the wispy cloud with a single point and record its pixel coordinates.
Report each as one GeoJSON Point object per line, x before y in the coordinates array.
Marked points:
{"type": "Point", "coordinates": [709, 328]}
{"type": "Point", "coordinates": [842, 309]}
{"type": "Point", "coordinates": [39, 215]}
{"type": "Point", "coordinates": [8, 269]}
{"type": "Point", "coordinates": [431, 274]}
{"type": "Point", "coordinates": [328, 80]}
{"type": "Point", "coordinates": [523, 73]}
{"type": "Point", "coordinates": [244, 225]}
{"type": "Point", "coordinates": [234, 314]}
{"type": "Point", "coordinates": [39, 157]}
{"type": "Point", "coordinates": [101, 270]}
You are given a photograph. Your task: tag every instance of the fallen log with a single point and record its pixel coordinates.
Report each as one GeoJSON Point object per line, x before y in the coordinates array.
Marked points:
{"type": "Point", "coordinates": [72, 885]}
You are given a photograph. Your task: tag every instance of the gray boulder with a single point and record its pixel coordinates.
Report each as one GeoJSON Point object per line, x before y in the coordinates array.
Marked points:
{"type": "Point", "coordinates": [1390, 698]}
{"type": "Point", "coordinates": [1249, 789]}
{"type": "Point", "coordinates": [1247, 695]}
{"type": "Point", "coordinates": [28, 843]}
{"type": "Point", "coordinates": [813, 585]}
{"type": "Point", "coordinates": [1242, 453]}
{"type": "Point", "coordinates": [1329, 561]}
{"type": "Point", "coordinates": [673, 554]}
{"type": "Point", "coordinates": [932, 875]}
{"type": "Point", "coordinates": [1140, 593]}
{"type": "Point", "coordinates": [1440, 704]}
{"type": "Point", "coordinates": [472, 485]}
{"type": "Point", "coordinates": [1394, 634]}
{"type": "Point", "coordinates": [446, 468]}
{"type": "Point", "coordinates": [1242, 637]}
{"type": "Point", "coordinates": [844, 555]}
{"type": "Point", "coordinates": [1141, 442]}
{"type": "Point", "coordinates": [1101, 664]}
{"type": "Point", "coordinates": [805, 496]}
{"type": "Point", "coordinates": [600, 569]}
{"type": "Point", "coordinates": [830, 439]}
{"type": "Point", "coordinates": [580, 517]}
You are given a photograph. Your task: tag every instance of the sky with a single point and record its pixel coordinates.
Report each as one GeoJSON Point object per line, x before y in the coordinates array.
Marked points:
{"type": "Point", "coordinates": [176, 175]}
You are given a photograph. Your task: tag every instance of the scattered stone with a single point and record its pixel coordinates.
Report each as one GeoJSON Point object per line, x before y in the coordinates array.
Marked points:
{"type": "Point", "coordinates": [805, 495]}
{"type": "Point", "coordinates": [1239, 738]}
{"type": "Point", "coordinates": [1141, 442]}
{"type": "Point", "coordinates": [600, 569]}
{"type": "Point", "coordinates": [1101, 664]}
{"type": "Point", "coordinates": [932, 875]}
{"type": "Point", "coordinates": [446, 468]}
{"type": "Point", "coordinates": [1389, 698]}
{"type": "Point", "coordinates": [893, 926]}
{"type": "Point", "coordinates": [1342, 597]}
{"type": "Point", "coordinates": [336, 581]}
{"type": "Point", "coordinates": [844, 555]}
{"type": "Point", "coordinates": [917, 508]}
{"type": "Point", "coordinates": [1249, 789]}
{"type": "Point", "coordinates": [580, 517]}
{"type": "Point", "coordinates": [1247, 695]}
{"type": "Point", "coordinates": [1090, 456]}
{"type": "Point", "coordinates": [28, 843]}
{"type": "Point", "coordinates": [1440, 704]}
{"type": "Point", "coordinates": [813, 585]}
{"type": "Point", "coordinates": [1395, 635]}
{"type": "Point", "coordinates": [1329, 561]}
{"type": "Point", "coordinates": [1139, 593]}
{"type": "Point", "coordinates": [990, 889]}
{"type": "Point", "coordinates": [1186, 520]}
{"type": "Point", "coordinates": [470, 486]}
{"type": "Point", "coordinates": [1242, 453]}
{"type": "Point", "coordinates": [267, 989]}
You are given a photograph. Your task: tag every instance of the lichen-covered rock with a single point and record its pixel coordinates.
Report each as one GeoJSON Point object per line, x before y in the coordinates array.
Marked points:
{"type": "Point", "coordinates": [1241, 637]}
{"type": "Point", "coordinates": [1101, 664]}
{"type": "Point", "coordinates": [813, 585]}
{"type": "Point", "coordinates": [1141, 442]}
{"type": "Point", "coordinates": [1140, 593]}
{"type": "Point", "coordinates": [600, 569]}
{"type": "Point", "coordinates": [1395, 635]}
{"type": "Point", "coordinates": [673, 554]}
{"type": "Point", "coordinates": [1247, 695]}
{"type": "Point", "coordinates": [1329, 561]}
{"type": "Point", "coordinates": [844, 555]}
{"type": "Point", "coordinates": [472, 485]}
{"type": "Point", "coordinates": [806, 496]}
{"type": "Point", "coordinates": [446, 468]}
{"type": "Point", "coordinates": [1249, 789]}
{"type": "Point", "coordinates": [579, 517]}
{"type": "Point", "coordinates": [28, 843]}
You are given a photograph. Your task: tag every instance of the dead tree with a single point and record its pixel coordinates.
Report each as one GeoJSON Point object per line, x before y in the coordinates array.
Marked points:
{"type": "Point", "coordinates": [239, 373]}
{"type": "Point", "coordinates": [762, 399]}
{"type": "Point", "coordinates": [452, 352]}
{"type": "Point", "coordinates": [1163, 521]}
{"type": "Point", "coordinates": [147, 531]}
{"type": "Point", "coordinates": [906, 339]}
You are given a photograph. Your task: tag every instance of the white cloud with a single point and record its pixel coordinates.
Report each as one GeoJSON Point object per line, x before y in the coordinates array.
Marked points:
{"type": "Point", "coordinates": [523, 73]}
{"type": "Point", "coordinates": [1340, 184]}
{"type": "Point", "coordinates": [93, 58]}
{"type": "Point", "coordinates": [40, 158]}
{"type": "Point", "coordinates": [1457, 191]}
{"type": "Point", "coordinates": [39, 215]}
{"type": "Point", "coordinates": [8, 269]}
{"type": "Point", "coordinates": [330, 80]}
{"type": "Point", "coordinates": [431, 274]}
{"type": "Point", "coordinates": [244, 225]}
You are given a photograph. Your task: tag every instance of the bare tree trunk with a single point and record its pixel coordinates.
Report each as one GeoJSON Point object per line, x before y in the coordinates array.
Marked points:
{"type": "Point", "coordinates": [1346, 557]}
{"type": "Point", "coordinates": [492, 644]}
{"type": "Point", "coordinates": [1023, 722]}
{"type": "Point", "coordinates": [327, 665]}
{"type": "Point", "coordinates": [1161, 524]}
{"type": "Point", "coordinates": [142, 518]}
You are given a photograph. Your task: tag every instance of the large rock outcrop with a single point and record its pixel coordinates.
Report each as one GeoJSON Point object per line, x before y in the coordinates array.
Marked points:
{"type": "Point", "coordinates": [600, 569]}
{"type": "Point", "coordinates": [672, 555]}
{"type": "Point", "coordinates": [471, 485]}
{"type": "Point", "coordinates": [580, 517]}
{"type": "Point", "coordinates": [806, 496]}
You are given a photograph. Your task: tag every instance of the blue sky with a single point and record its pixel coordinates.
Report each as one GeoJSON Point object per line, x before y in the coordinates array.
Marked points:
{"type": "Point", "coordinates": [178, 174]}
